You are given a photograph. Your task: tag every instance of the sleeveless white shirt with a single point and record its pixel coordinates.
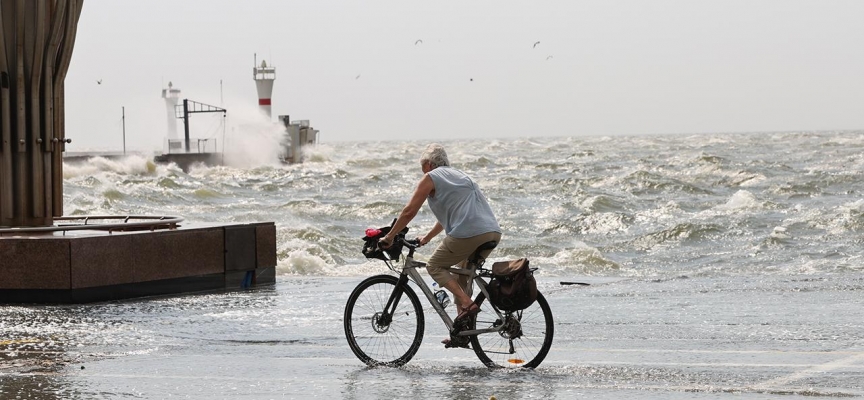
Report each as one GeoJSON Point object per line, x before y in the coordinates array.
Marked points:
{"type": "Point", "coordinates": [459, 205]}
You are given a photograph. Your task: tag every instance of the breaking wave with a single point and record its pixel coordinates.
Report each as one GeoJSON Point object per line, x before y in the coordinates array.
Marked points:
{"type": "Point", "coordinates": [602, 206]}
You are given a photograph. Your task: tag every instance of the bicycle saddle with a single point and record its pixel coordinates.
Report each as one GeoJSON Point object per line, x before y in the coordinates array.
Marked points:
{"type": "Point", "coordinates": [487, 246]}
{"type": "Point", "coordinates": [475, 257]}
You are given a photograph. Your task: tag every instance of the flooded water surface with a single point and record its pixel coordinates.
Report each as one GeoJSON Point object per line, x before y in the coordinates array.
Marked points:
{"type": "Point", "coordinates": [678, 338]}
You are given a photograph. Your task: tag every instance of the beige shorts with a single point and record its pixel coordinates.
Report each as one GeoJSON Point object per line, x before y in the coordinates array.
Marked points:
{"type": "Point", "coordinates": [455, 252]}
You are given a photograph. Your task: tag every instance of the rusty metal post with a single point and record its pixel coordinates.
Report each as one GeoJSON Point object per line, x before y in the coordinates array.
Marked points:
{"type": "Point", "coordinates": [36, 41]}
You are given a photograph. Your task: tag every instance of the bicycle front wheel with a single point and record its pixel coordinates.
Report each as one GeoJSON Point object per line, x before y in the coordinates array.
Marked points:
{"type": "Point", "coordinates": [376, 337]}
{"type": "Point", "coordinates": [524, 341]}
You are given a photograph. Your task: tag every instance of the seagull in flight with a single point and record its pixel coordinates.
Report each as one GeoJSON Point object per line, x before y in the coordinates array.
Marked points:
{"type": "Point", "coordinates": [549, 58]}
{"type": "Point", "coordinates": [535, 44]}
{"type": "Point", "coordinates": [418, 41]}
{"type": "Point", "coordinates": [357, 77]}
{"type": "Point", "coordinates": [98, 81]}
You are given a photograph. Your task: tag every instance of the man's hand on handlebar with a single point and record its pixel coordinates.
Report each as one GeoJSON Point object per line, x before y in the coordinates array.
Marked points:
{"type": "Point", "coordinates": [385, 242]}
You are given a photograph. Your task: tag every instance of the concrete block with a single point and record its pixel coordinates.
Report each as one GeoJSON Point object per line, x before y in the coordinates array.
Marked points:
{"type": "Point", "coordinates": [265, 245]}
{"type": "Point", "coordinates": [248, 279]}
{"type": "Point", "coordinates": [97, 266]}
{"type": "Point", "coordinates": [102, 261]}
{"type": "Point", "coordinates": [240, 248]}
{"type": "Point", "coordinates": [34, 263]}
{"type": "Point", "coordinates": [180, 253]}
{"type": "Point", "coordinates": [265, 276]}
{"type": "Point", "coordinates": [239, 279]}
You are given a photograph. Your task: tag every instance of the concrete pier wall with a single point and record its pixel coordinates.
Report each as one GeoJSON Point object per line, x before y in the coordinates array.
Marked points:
{"type": "Point", "coordinates": [85, 266]}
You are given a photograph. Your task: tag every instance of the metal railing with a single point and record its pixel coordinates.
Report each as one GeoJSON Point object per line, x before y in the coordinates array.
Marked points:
{"type": "Point", "coordinates": [86, 222]}
{"type": "Point", "coordinates": [177, 146]}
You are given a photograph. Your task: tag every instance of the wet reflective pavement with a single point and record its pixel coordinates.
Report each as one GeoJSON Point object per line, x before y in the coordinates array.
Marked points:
{"type": "Point", "coordinates": [751, 337]}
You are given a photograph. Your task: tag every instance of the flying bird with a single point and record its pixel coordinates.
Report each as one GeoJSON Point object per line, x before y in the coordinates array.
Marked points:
{"type": "Point", "coordinates": [549, 58]}
{"type": "Point", "coordinates": [535, 44]}
{"type": "Point", "coordinates": [357, 77]}
{"type": "Point", "coordinates": [99, 82]}
{"type": "Point", "coordinates": [418, 41]}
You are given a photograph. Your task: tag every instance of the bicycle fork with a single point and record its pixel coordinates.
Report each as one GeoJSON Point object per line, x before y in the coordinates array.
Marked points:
{"type": "Point", "coordinates": [390, 308]}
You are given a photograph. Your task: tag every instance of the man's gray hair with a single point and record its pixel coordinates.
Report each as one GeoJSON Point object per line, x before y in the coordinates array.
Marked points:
{"type": "Point", "coordinates": [435, 155]}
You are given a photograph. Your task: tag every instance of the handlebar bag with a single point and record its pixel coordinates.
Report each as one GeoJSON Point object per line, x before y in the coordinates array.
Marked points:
{"type": "Point", "coordinates": [371, 250]}
{"type": "Point", "coordinates": [512, 287]}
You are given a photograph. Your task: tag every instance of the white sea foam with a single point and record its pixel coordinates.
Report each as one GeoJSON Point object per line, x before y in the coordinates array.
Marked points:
{"type": "Point", "coordinates": [319, 153]}
{"type": "Point", "coordinates": [580, 259]}
{"type": "Point", "coordinates": [129, 165]}
{"type": "Point", "coordinates": [779, 232]}
{"type": "Point", "coordinates": [300, 262]}
{"type": "Point", "coordinates": [603, 223]}
{"type": "Point", "coordinates": [253, 139]}
{"type": "Point", "coordinates": [687, 205]}
{"type": "Point", "coordinates": [741, 200]}
{"type": "Point", "coordinates": [848, 217]}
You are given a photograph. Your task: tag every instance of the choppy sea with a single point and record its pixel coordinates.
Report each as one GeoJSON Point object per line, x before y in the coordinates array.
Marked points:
{"type": "Point", "coordinates": [722, 265]}
{"type": "Point", "coordinates": [641, 206]}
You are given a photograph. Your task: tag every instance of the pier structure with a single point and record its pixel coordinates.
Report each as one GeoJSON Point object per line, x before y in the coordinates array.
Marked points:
{"type": "Point", "coordinates": [99, 258]}
{"type": "Point", "coordinates": [181, 151]}
{"type": "Point", "coordinates": [298, 134]}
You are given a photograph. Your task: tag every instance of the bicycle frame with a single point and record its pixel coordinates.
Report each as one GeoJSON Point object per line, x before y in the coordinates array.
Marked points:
{"type": "Point", "coordinates": [409, 271]}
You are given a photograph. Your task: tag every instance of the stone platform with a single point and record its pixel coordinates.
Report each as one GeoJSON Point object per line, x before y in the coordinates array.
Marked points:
{"type": "Point", "coordinates": [183, 160]}
{"type": "Point", "coordinates": [86, 266]}
{"type": "Point", "coordinates": [187, 160]}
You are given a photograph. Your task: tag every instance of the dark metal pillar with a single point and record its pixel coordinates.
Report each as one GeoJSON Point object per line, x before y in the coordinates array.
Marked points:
{"type": "Point", "coordinates": [186, 122]}
{"type": "Point", "coordinates": [36, 41]}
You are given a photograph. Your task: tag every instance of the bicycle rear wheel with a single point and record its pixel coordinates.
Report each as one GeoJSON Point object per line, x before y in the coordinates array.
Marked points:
{"type": "Point", "coordinates": [375, 337]}
{"type": "Point", "coordinates": [523, 343]}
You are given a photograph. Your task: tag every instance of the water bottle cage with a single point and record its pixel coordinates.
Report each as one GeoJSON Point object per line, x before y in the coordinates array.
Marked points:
{"type": "Point", "coordinates": [442, 298]}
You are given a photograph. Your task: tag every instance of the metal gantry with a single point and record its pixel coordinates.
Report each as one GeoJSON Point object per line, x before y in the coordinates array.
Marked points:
{"type": "Point", "coordinates": [193, 107]}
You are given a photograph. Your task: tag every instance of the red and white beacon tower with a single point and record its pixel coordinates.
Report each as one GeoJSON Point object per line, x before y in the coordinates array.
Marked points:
{"type": "Point", "coordinates": [264, 77]}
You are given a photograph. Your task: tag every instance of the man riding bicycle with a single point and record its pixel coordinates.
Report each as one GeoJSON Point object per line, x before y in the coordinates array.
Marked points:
{"type": "Point", "coordinates": [462, 212]}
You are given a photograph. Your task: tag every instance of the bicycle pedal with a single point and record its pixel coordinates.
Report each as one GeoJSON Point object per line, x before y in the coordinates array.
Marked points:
{"type": "Point", "coordinates": [461, 325]}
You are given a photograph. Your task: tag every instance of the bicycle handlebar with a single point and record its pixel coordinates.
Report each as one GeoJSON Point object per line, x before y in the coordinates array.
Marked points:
{"type": "Point", "coordinates": [411, 244]}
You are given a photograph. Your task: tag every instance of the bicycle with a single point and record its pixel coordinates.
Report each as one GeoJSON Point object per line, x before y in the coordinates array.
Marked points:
{"type": "Point", "coordinates": [384, 321]}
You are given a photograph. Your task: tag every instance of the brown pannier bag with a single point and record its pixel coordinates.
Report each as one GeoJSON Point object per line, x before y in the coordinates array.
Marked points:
{"type": "Point", "coordinates": [512, 286]}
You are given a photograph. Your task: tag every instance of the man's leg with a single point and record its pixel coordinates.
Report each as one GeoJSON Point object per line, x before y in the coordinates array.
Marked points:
{"type": "Point", "coordinates": [464, 280]}
{"type": "Point", "coordinates": [461, 299]}
{"type": "Point", "coordinates": [450, 252]}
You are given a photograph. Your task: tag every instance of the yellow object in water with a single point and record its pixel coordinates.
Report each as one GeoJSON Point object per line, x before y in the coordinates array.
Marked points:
{"type": "Point", "coordinates": [17, 341]}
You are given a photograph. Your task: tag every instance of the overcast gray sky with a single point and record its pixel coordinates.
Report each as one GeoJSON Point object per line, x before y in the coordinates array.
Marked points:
{"type": "Point", "coordinates": [602, 67]}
